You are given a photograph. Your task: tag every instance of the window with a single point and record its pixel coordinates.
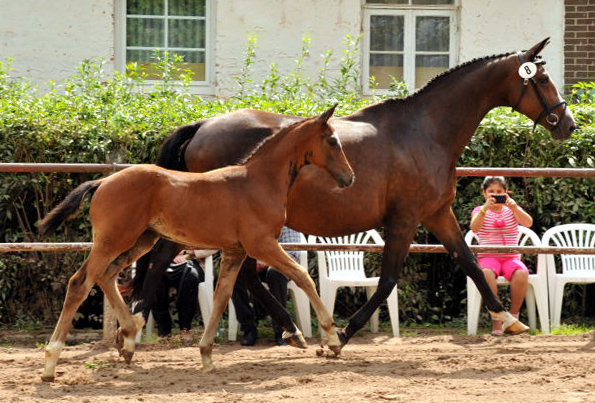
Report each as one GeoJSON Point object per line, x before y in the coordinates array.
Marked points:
{"type": "Point", "coordinates": [407, 40]}
{"type": "Point", "coordinates": [177, 26]}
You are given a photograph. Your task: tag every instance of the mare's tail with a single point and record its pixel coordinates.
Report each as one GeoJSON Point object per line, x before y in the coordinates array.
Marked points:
{"type": "Point", "coordinates": [171, 153]}
{"type": "Point", "coordinates": [68, 208]}
{"type": "Point", "coordinates": [171, 156]}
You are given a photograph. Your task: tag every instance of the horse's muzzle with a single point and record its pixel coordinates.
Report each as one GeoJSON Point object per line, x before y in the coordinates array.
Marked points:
{"type": "Point", "coordinates": [344, 182]}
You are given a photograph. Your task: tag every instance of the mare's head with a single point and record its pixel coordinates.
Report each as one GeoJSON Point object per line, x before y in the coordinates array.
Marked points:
{"type": "Point", "coordinates": [534, 94]}
{"type": "Point", "coordinates": [325, 150]}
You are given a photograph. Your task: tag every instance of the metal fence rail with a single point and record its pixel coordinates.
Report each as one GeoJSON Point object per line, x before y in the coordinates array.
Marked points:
{"type": "Point", "coordinates": [463, 171]}
{"type": "Point", "coordinates": [414, 248]}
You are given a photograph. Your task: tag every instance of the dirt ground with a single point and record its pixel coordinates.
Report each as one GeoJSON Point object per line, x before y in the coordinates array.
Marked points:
{"type": "Point", "coordinates": [372, 368]}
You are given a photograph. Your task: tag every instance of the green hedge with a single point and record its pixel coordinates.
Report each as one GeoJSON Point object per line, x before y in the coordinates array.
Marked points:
{"type": "Point", "coordinates": [94, 118]}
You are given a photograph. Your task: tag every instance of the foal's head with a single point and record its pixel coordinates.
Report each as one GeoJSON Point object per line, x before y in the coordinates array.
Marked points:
{"type": "Point", "coordinates": [325, 150]}
{"type": "Point", "coordinates": [536, 96]}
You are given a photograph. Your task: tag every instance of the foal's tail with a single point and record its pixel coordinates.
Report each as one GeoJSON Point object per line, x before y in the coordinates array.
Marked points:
{"type": "Point", "coordinates": [171, 153]}
{"type": "Point", "coordinates": [68, 208]}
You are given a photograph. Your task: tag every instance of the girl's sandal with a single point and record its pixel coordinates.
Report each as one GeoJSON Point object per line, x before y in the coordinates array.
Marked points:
{"type": "Point", "coordinates": [497, 332]}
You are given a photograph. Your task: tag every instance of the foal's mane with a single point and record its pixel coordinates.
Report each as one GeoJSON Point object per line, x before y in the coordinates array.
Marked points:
{"type": "Point", "coordinates": [448, 74]}
{"type": "Point", "coordinates": [266, 140]}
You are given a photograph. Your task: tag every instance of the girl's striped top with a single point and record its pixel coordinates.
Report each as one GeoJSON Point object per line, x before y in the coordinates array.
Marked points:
{"type": "Point", "coordinates": [498, 228]}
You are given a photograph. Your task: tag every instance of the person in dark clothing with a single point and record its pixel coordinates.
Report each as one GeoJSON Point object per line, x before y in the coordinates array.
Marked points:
{"type": "Point", "coordinates": [247, 312]}
{"type": "Point", "coordinates": [183, 275]}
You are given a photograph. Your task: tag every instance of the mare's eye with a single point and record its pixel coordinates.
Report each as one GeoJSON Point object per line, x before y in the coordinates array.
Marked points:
{"type": "Point", "coordinates": [543, 80]}
{"type": "Point", "coordinates": [333, 142]}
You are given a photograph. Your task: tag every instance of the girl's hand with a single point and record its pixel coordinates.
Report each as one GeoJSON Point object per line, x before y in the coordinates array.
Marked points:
{"type": "Point", "coordinates": [510, 203]}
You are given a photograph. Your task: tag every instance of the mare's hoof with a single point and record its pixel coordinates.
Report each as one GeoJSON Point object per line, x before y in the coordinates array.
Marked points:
{"type": "Point", "coordinates": [48, 378]}
{"type": "Point", "coordinates": [517, 327]}
{"type": "Point", "coordinates": [342, 336]}
{"type": "Point", "coordinates": [295, 340]}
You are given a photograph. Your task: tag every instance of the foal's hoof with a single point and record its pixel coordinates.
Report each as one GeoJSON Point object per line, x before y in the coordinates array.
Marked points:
{"type": "Point", "coordinates": [119, 341]}
{"type": "Point", "coordinates": [517, 327]}
{"type": "Point", "coordinates": [45, 378]}
{"type": "Point", "coordinates": [336, 350]}
{"type": "Point", "coordinates": [295, 340]}
{"type": "Point", "coordinates": [127, 355]}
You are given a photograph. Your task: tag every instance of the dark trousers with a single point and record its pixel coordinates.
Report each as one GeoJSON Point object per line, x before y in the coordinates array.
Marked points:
{"type": "Point", "coordinates": [247, 309]}
{"type": "Point", "coordinates": [184, 279]}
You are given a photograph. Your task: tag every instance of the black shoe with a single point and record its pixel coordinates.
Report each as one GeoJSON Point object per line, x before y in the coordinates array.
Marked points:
{"type": "Point", "coordinates": [279, 339]}
{"type": "Point", "coordinates": [250, 337]}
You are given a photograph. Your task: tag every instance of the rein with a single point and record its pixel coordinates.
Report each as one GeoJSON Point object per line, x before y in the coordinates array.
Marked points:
{"type": "Point", "coordinates": [548, 111]}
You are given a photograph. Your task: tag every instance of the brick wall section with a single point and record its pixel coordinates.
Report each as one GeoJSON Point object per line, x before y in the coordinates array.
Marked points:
{"type": "Point", "coordinates": [579, 41]}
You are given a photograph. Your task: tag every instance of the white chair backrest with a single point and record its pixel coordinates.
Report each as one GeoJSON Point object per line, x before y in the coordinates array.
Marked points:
{"type": "Point", "coordinates": [345, 264]}
{"type": "Point", "coordinates": [576, 236]}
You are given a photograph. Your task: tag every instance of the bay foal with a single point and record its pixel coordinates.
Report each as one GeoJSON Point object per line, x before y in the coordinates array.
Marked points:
{"type": "Point", "coordinates": [239, 209]}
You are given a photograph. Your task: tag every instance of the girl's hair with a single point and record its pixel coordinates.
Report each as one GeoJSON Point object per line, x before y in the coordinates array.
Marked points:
{"type": "Point", "coordinates": [489, 180]}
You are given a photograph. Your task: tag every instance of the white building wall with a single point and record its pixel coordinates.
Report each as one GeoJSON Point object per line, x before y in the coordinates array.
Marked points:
{"type": "Point", "coordinates": [48, 40]}
{"type": "Point", "coordinates": [500, 26]}
{"type": "Point", "coordinates": [279, 26]}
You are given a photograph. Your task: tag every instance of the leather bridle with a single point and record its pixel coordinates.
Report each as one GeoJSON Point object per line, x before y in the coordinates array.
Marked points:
{"type": "Point", "coordinates": [547, 111]}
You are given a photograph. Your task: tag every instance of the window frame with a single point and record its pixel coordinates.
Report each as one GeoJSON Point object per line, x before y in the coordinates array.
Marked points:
{"type": "Point", "coordinates": [409, 13]}
{"type": "Point", "coordinates": [206, 87]}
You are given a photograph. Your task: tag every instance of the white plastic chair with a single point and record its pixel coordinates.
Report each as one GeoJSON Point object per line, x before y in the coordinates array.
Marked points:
{"type": "Point", "coordinates": [537, 291]}
{"type": "Point", "coordinates": [346, 269]}
{"type": "Point", "coordinates": [299, 299]}
{"type": "Point", "coordinates": [205, 300]}
{"type": "Point", "coordinates": [577, 269]}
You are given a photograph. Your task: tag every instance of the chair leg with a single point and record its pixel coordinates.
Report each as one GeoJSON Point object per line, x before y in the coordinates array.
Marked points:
{"type": "Point", "coordinates": [374, 319]}
{"type": "Point", "coordinates": [302, 308]}
{"type": "Point", "coordinates": [393, 310]}
{"type": "Point", "coordinates": [541, 299]}
{"type": "Point", "coordinates": [328, 294]}
{"type": "Point", "coordinates": [557, 304]}
{"type": "Point", "coordinates": [204, 303]}
{"type": "Point", "coordinates": [473, 307]}
{"type": "Point", "coordinates": [530, 303]}
{"type": "Point", "coordinates": [232, 320]}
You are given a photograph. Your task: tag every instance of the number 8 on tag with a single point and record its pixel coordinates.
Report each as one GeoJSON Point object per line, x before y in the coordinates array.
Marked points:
{"type": "Point", "coordinates": [527, 70]}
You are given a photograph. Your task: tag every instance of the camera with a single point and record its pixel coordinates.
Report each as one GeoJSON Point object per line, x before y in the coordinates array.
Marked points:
{"type": "Point", "coordinates": [500, 199]}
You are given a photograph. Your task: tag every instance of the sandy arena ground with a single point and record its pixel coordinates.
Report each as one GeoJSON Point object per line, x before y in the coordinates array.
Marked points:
{"type": "Point", "coordinates": [373, 368]}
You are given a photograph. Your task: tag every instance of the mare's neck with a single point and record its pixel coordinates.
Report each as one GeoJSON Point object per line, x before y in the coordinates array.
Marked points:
{"type": "Point", "coordinates": [454, 106]}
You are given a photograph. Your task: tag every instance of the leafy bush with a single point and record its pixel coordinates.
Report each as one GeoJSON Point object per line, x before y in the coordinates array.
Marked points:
{"type": "Point", "coordinates": [96, 118]}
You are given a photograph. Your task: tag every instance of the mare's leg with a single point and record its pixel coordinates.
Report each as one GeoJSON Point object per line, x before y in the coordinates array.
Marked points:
{"type": "Point", "coordinates": [78, 289]}
{"type": "Point", "coordinates": [154, 264]}
{"type": "Point", "coordinates": [231, 261]}
{"type": "Point", "coordinates": [270, 252]}
{"type": "Point", "coordinates": [399, 234]}
{"type": "Point", "coordinates": [444, 225]}
{"type": "Point", "coordinates": [248, 277]}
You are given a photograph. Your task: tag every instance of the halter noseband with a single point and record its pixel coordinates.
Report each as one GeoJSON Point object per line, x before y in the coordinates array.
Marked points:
{"type": "Point", "coordinates": [548, 111]}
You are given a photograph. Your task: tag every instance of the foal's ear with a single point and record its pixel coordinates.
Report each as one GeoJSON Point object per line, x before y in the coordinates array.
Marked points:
{"type": "Point", "coordinates": [535, 50]}
{"type": "Point", "coordinates": [326, 115]}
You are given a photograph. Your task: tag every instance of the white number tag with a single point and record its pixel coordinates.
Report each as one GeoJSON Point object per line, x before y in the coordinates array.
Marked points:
{"type": "Point", "coordinates": [527, 70]}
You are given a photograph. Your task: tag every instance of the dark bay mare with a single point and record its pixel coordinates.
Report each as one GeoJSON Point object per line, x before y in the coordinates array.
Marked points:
{"type": "Point", "coordinates": [404, 153]}
{"type": "Point", "coordinates": [222, 209]}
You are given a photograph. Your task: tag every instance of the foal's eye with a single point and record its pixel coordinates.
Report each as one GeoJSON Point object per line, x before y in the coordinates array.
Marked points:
{"type": "Point", "coordinates": [333, 142]}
